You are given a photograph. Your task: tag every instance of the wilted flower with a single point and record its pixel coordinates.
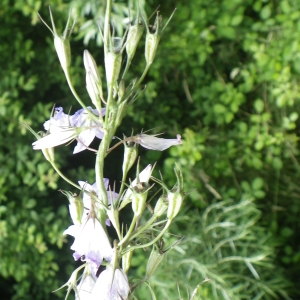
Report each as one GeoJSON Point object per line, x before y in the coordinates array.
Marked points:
{"type": "Point", "coordinates": [111, 285]}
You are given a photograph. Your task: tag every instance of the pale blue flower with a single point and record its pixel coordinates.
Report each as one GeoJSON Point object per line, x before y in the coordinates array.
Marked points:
{"type": "Point", "coordinates": [82, 119]}
{"type": "Point", "coordinates": [91, 243]}
{"type": "Point", "coordinates": [111, 285]}
{"type": "Point", "coordinates": [154, 143]}
{"type": "Point", "coordinates": [64, 128]}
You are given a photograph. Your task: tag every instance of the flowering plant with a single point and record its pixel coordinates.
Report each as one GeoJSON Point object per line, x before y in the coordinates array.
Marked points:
{"type": "Point", "coordinates": [106, 262]}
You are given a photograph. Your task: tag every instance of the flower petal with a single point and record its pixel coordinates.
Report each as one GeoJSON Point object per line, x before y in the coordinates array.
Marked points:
{"type": "Point", "coordinates": [111, 285]}
{"type": "Point", "coordinates": [84, 140]}
{"type": "Point", "coordinates": [55, 139]}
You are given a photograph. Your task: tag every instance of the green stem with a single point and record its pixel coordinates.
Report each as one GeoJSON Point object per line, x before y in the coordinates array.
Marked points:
{"type": "Point", "coordinates": [145, 226]}
{"type": "Point", "coordinates": [94, 117]}
{"type": "Point", "coordinates": [63, 176]}
{"type": "Point", "coordinates": [153, 241]}
{"type": "Point", "coordinates": [136, 85]}
{"type": "Point", "coordinates": [131, 228]}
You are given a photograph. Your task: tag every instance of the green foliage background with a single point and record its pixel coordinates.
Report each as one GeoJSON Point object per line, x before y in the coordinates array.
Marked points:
{"type": "Point", "coordinates": [226, 76]}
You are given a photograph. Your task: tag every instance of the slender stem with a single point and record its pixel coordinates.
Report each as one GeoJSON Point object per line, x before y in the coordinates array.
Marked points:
{"type": "Point", "coordinates": [131, 228]}
{"type": "Point", "coordinates": [99, 169]}
{"type": "Point", "coordinates": [137, 84]}
{"type": "Point", "coordinates": [63, 176]}
{"type": "Point", "coordinates": [153, 241]}
{"type": "Point", "coordinates": [67, 74]}
{"type": "Point", "coordinates": [145, 226]}
{"type": "Point", "coordinates": [122, 187]}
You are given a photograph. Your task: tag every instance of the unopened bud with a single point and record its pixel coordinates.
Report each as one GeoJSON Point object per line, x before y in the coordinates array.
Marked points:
{"type": "Point", "coordinates": [160, 206]}
{"type": "Point", "coordinates": [138, 185]}
{"type": "Point", "coordinates": [139, 202]}
{"type": "Point", "coordinates": [91, 66]}
{"type": "Point", "coordinates": [76, 207]}
{"type": "Point", "coordinates": [63, 50]}
{"type": "Point", "coordinates": [62, 44]}
{"type": "Point", "coordinates": [156, 257]}
{"type": "Point", "coordinates": [152, 41]}
{"type": "Point", "coordinates": [175, 202]}
{"type": "Point", "coordinates": [130, 156]}
{"type": "Point", "coordinates": [121, 89]}
{"type": "Point", "coordinates": [112, 66]}
{"type": "Point", "coordinates": [126, 261]}
{"type": "Point", "coordinates": [93, 79]}
{"type": "Point", "coordinates": [133, 37]}
{"type": "Point", "coordinates": [113, 216]}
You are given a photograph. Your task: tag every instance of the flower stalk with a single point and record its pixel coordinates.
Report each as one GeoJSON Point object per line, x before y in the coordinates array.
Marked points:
{"type": "Point", "coordinates": [101, 205]}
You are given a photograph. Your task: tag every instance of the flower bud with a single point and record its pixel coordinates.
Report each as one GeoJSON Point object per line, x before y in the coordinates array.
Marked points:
{"type": "Point", "coordinates": [91, 66]}
{"type": "Point", "coordinates": [152, 41]}
{"type": "Point", "coordinates": [62, 44]}
{"type": "Point", "coordinates": [112, 67]}
{"type": "Point", "coordinates": [113, 215]}
{"type": "Point", "coordinates": [130, 156]}
{"type": "Point", "coordinates": [133, 37]}
{"type": "Point", "coordinates": [175, 202]}
{"type": "Point", "coordinates": [121, 89]}
{"type": "Point", "coordinates": [138, 185]}
{"type": "Point", "coordinates": [126, 260]}
{"type": "Point", "coordinates": [63, 50]}
{"type": "Point", "coordinates": [175, 196]}
{"type": "Point", "coordinates": [139, 202]}
{"type": "Point", "coordinates": [156, 257]}
{"type": "Point", "coordinates": [160, 206]}
{"type": "Point", "coordinates": [93, 79]}
{"type": "Point", "coordinates": [76, 207]}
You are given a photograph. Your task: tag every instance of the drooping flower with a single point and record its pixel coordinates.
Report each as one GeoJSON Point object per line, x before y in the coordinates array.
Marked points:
{"type": "Point", "coordinates": [91, 243]}
{"type": "Point", "coordinates": [64, 128]}
{"type": "Point", "coordinates": [86, 285]}
{"type": "Point", "coordinates": [154, 143]}
{"type": "Point", "coordinates": [111, 285]}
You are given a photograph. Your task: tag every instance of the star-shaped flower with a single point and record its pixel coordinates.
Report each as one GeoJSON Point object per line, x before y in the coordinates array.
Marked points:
{"type": "Point", "coordinates": [63, 128]}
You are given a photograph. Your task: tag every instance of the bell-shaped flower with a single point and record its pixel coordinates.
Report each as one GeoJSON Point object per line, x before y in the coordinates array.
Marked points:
{"type": "Point", "coordinates": [111, 285]}
{"type": "Point", "coordinates": [154, 143]}
{"type": "Point", "coordinates": [91, 243]}
{"type": "Point", "coordinates": [86, 285]}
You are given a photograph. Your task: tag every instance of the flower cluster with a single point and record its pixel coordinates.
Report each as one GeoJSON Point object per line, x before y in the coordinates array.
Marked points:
{"type": "Point", "coordinates": [96, 207]}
